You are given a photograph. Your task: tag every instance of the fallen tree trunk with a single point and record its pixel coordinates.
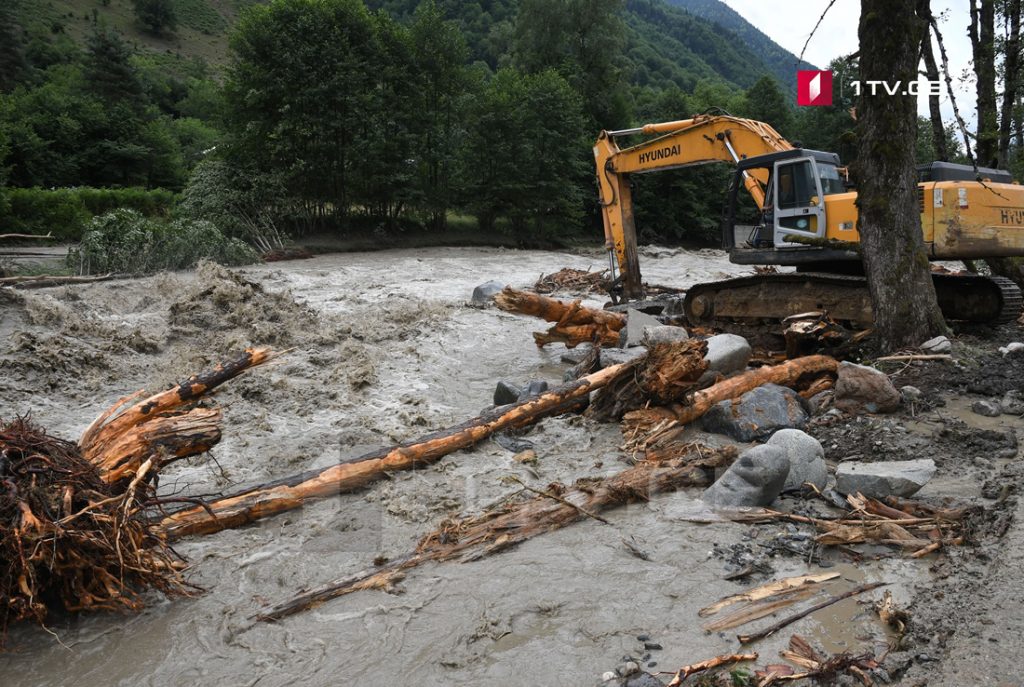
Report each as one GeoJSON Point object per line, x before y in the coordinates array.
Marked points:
{"type": "Point", "coordinates": [292, 492]}
{"type": "Point", "coordinates": [508, 524]}
{"type": "Point", "coordinates": [35, 281]}
{"type": "Point", "coordinates": [574, 324]}
{"type": "Point", "coordinates": [640, 423]}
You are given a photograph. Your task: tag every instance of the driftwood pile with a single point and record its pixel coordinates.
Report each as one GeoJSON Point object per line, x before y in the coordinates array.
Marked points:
{"type": "Point", "coordinates": [74, 529]}
{"type": "Point", "coordinates": [569, 279]}
{"type": "Point", "coordinates": [574, 324]}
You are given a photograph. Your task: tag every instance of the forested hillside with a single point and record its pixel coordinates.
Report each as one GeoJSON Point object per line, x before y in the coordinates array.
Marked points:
{"type": "Point", "coordinates": [299, 116]}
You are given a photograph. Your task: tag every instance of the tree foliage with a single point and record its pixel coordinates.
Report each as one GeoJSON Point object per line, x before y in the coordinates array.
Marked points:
{"type": "Point", "coordinates": [156, 15]}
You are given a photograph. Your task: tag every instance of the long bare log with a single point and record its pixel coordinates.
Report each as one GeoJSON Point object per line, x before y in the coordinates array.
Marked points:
{"type": "Point", "coordinates": [508, 524]}
{"type": "Point", "coordinates": [4, 237]}
{"type": "Point", "coordinates": [574, 324]}
{"type": "Point", "coordinates": [37, 281]}
{"type": "Point", "coordinates": [292, 492]}
{"type": "Point", "coordinates": [122, 438]}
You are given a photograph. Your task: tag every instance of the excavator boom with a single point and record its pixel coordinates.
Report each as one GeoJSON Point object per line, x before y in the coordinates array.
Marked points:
{"type": "Point", "coordinates": [683, 143]}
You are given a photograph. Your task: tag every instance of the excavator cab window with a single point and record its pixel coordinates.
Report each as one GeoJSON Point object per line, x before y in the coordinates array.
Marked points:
{"type": "Point", "coordinates": [796, 185]}
{"type": "Point", "coordinates": [831, 181]}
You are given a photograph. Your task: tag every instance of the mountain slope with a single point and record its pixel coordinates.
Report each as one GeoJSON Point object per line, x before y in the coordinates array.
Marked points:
{"type": "Point", "coordinates": [781, 63]}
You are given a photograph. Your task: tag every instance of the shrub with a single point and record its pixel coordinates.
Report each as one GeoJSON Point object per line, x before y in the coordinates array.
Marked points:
{"type": "Point", "coordinates": [66, 212]}
{"type": "Point", "coordinates": [125, 241]}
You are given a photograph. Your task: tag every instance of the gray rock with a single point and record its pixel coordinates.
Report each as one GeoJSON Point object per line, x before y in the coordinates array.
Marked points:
{"type": "Point", "coordinates": [878, 480]}
{"type": "Point", "coordinates": [806, 458]}
{"type": "Point", "coordinates": [940, 344]}
{"type": "Point", "coordinates": [505, 393]}
{"type": "Point", "coordinates": [1012, 403]}
{"type": "Point", "coordinates": [664, 333]}
{"type": "Point", "coordinates": [533, 388]}
{"type": "Point", "coordinates": [486, 292]}
{"type": "Point", "coordinates": [987, 408]}
{"type": "Point", "coordinates": [636, 322]}
{"type": "Point", "coordinates": [644, 680]}
{"type": "Point", "coordinates": [909, 394]}
{"type": "Point", "coordinates": [727, 353]}
{"type": "Point", "coordinates": [861, 389]}
{"type": "Point", "coordinates": [608, 676]}
{"type": "Point", "coordinates": [757, 414]}
{"type": "Point", "coordinates": [755, 479]}
{"type": "Point", "coordinates": [615, 356]}
{"type": "Point", "coordinates": [1012, 349]}
{"type": "Point", "coordinates": [628, 668]}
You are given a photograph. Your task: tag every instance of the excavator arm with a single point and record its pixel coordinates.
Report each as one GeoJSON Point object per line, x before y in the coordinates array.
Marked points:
{"type": "Point", "coordinates": [700, 140]}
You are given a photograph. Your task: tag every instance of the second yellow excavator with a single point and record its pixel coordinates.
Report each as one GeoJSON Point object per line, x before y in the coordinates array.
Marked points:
{"type": "Point", "coordinates": [806, 218]}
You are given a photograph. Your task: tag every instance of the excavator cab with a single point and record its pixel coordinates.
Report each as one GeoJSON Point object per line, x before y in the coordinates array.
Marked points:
{"type": "Point", "coordinates": [798, 181]}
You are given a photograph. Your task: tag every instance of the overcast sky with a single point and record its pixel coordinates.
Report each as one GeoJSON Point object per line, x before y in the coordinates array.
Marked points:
{"type": "Point", "coordinates": [789, 24]}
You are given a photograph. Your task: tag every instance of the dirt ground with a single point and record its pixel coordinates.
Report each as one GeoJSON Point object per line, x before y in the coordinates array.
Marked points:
{"type": "Point", "coordinates": [384, 347]}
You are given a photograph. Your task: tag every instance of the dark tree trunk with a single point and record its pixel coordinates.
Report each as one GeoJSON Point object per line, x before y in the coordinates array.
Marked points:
{"type": "Point", "coordinates": [895, 262]}
{"type": "Point", "coordinates": [982, 33]}
{"type": "Point", "coordinates": [1011, 78]}
{"type": "Point", "coordinates": [931, 71]}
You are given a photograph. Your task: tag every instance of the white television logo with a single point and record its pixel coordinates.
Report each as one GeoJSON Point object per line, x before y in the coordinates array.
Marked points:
{"type": "Point", "coordinates": [814, 87]}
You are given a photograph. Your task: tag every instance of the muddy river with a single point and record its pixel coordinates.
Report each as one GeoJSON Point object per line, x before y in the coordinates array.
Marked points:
{"type": "Point", "coordinates": [383, 347]}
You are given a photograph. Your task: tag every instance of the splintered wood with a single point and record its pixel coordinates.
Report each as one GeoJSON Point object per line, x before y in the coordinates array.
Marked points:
{"type": "Point", "coordinates": [569, 279]}
{"type": "Point", "coordinates": [74, 530]}
{"type": "Point", "coordinates": [526, 516]}
{"type": "Point", "coordinates": [574, 324]}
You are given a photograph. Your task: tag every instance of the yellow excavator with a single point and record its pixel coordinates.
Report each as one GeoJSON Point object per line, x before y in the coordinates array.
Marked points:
{"type": "Point", "coordinates": [805, 217]}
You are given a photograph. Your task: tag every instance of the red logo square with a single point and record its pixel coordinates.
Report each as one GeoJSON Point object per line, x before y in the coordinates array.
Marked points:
{"type": "Point", "coordinates": [813, 87]}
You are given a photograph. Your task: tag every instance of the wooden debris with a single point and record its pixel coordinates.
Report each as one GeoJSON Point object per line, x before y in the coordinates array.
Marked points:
{"type": "Point", "coordinates": [755, 610]}
{"type": "Point", "coordinates": [39, 281]}
{"type": "Point", "coordinates": [810, 332]}
{"type": "Point", "coordinates": [891, 614]}
{"type": "Point", "coordinates": [789, 620]}
{"type": "Point", "coordinates": [645, 427]}
{"type": "Point", "coordinates": [569, 279]}
{"type": "Point", "coordinates": [292, 492]}
{"type": "Point", "coordinates": [8, 237]}
{"type": "Point", "coordinates": [666, 374]}
{"type": "Point", "coordinates": [508, 524]}
{"type": "Point", "coordinates": [768, 590]}
{"type": "Point", "coordinates": [815, 666]}
{"type": "Point", "coordinates": [702, 666]}
{"type": "Point", "coordinates": [914, 356]}
{"type": "Point", "coordinates": [574, 324]}
{"type": "Point", "coordinates": [74, 531]}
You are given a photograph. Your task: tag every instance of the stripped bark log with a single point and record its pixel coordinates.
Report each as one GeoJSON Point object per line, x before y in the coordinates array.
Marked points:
{"type": "Point", "coordinates": [767, 590]}
{"type": "Point", "coordinates": [36, 282]}
{"type": "Point", "coordinates": [792, 373]}
{"type": "Point", "coordinates": [574, 324]}
{"type": "Point", "coordinates": [167, 423]}
{"type": "Point", "coordinates": [292, 492]}
{"type": "Point", "coordinates": [510, 523]}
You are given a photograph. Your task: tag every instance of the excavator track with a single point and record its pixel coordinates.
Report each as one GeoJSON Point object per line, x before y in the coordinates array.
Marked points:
{"type": "Point", "coordinates": [772, 297]}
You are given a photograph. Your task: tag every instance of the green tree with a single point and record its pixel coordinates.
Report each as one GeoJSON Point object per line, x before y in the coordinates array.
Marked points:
{"type": "Point", "coordinates": [301, 90]}
{"type": "Point", "coordinates": [765, 102]}
{"type": "Point", "coordinates": [583, 41]}
{"type": "Point", "coordinates": [13, 66]}
{"type": "Point", "coordinates": [156, 15]}
{"type": "Point", "coordinates": [524, 154]}
{"type": "Point", "coordinates": [439, 51]}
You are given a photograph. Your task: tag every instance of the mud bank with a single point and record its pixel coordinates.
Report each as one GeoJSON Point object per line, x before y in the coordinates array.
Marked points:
{"type": "Point", "coordinates": [384, 348]}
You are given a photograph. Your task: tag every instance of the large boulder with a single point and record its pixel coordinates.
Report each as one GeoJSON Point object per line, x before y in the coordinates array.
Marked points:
{"type": "Point", "coordinates": [615, 356]}
{"type": "Point", "coordinates": [878, 480]}
{"type": "Point", "coordinates": [486, 292]}
{"type": "Point", "coordinates": [755, 479]}
{"type": "Point", "coordinates": [757, 414]}
{"type": "Point", "coordinates": [727, 354]}
{"type": "Point", "coordinates": [633, 333]}
{"type": "Point", "coordinates": [861, 389]}
{"type": "Point", "coordinates": [806, 458]}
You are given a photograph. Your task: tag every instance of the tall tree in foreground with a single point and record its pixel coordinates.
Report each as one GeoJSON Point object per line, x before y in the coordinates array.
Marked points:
{"type": "Point", "coordinates": [899, 277]}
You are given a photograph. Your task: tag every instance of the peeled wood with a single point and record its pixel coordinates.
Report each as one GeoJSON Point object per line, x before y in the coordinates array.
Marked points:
{"type": "Point", "coordinates": [169, 423]}
{"type": "Point", "coordinates": [717, 661]}
{"type": "Point", "coordinates": [790, 373]}
{"type": "Point", "coordinates": [767, 590]}
{"type": "Point", "coordinates": [508, 524]}
{"type": "Point", "coordinates": [574, 324]}
{"type": "Point", "coordinates": [292, 492]}
{"type": "Point", "coordinates": [769, 631]}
